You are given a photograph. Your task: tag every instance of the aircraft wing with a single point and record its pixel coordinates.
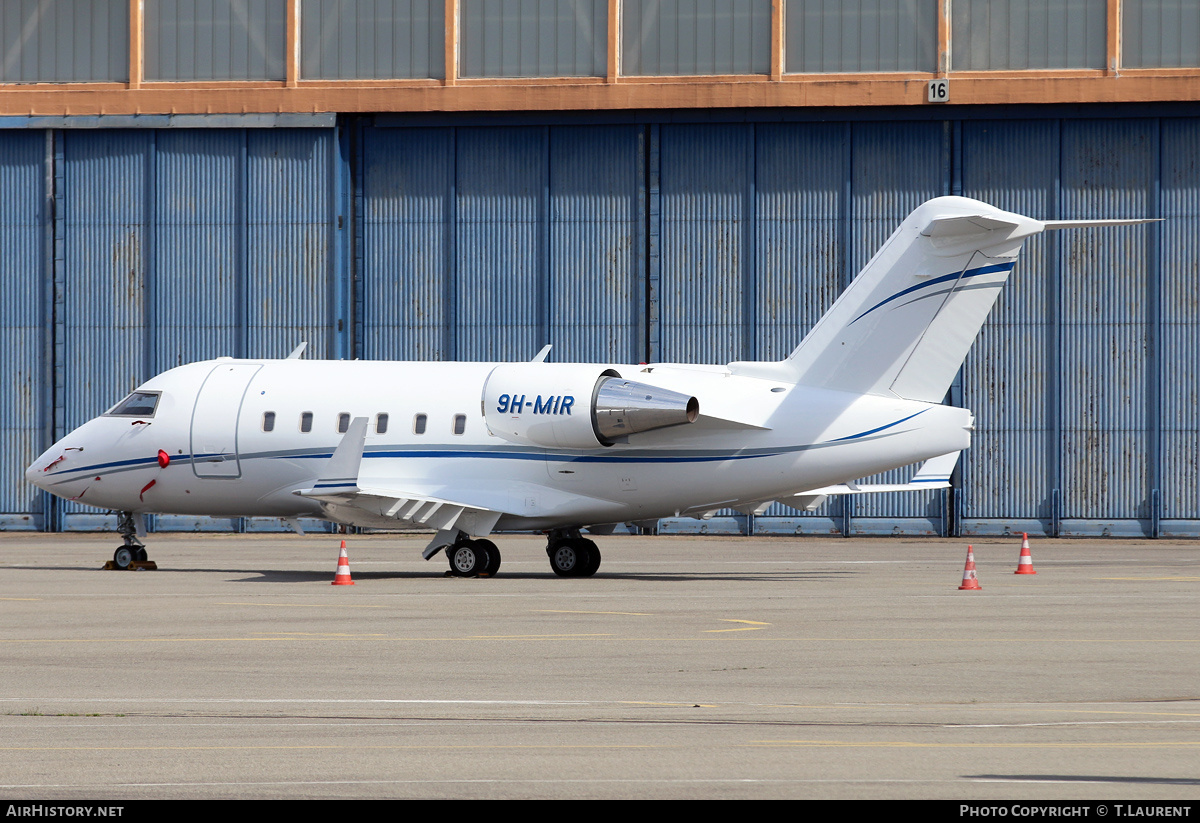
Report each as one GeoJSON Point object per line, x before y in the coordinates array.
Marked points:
{"type": "Point", "coordinates": [344, 500]}
{"type": "Point", "coordinates": [398, 509]}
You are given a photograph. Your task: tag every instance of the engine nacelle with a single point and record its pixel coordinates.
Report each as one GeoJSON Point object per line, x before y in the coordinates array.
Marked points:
{"type": "Point", "coordinates": [576, 406]}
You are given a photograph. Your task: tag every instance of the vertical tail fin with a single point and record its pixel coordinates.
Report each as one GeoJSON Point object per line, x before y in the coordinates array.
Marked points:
{"type": "Point", "coordinates": [903, 327]}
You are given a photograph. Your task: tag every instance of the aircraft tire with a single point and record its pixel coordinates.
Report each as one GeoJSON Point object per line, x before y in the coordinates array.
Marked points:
{"type": "Point", "coordinates": [570, 558]}
{"type": "Point", "coordinates": [467, 560]}
{"type": "Point", "coordinates": [492, 565]}
{"type": "Point", "coordinates": [593, 559]}
{"type": "Point", "coordinates": [123, 557]}
{"type": "Point", "coordinates": [140, 554]}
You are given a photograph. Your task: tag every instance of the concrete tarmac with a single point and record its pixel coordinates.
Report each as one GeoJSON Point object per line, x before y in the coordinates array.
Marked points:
{"type": "Point", "coordinates": [688, 667]}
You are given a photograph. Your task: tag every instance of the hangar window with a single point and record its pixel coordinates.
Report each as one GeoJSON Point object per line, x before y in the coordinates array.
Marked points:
{"type": "Point", "coordinates": [460, 423]}
{"type": "Point", "coordinates": [379, 40]}
{"type": "Point", "coordinates": [381, 421]}
{"type": "Point", "coordinates": [869, 36]}
{"type": "Point", "coordinates": [138, 404]}
{"type": "Point", "coordinates": [717, 37]}
{"type": "Point", "coordinates": [268, 421]}
{"type": "Point", "coordinates": [306, 421]}
{"type": "Point", "coordinates": [68, 41]}
{"type": "Point", "coordinates": [419, 424]}
{"type": "Point", "coordinates": [343, 423]}
{"type": "Point", "coordinates": [218, 40]}
{"type": "Point", "coordinates": [1018, 34]}
{"type": "Point", "coordinates": [513, 38]}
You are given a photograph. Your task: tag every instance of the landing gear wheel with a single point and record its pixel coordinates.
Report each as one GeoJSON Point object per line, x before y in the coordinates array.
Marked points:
{"type": "Point", "coordinates": [128, 525]}
{"type": "Point", "coordinates": [570, 557]}
{"type": "Point", "coordinates": [123, 557]}
{"type": "Point", "coordinates": [493, 557]}
{"type": "Point", "coordinates": [594, 557]}
{"type": "Point", "coordinates": [466, 560]}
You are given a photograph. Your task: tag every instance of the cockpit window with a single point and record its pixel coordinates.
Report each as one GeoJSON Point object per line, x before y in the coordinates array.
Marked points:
{"type": "Point", "coordinates": [138, 404]}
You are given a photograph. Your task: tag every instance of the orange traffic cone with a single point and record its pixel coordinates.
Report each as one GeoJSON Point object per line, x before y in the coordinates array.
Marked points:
{"type": "Point", "coordinates": [969, 579]}
{"type": "Point", "coordinates": [342, 578]}
{"type": "Point", "coordinates": [1025, 564]}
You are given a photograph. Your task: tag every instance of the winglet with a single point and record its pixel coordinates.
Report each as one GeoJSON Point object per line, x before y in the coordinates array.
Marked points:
{"type": "Point", "coordinates": [298, 352]}
{"type": "Point", "coordinates": [340, 474]}
{"type": "Point", "coordinates": [541, 356]}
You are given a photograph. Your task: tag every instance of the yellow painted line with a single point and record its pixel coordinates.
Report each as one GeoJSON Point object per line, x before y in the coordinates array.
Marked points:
{"type": "Point", "coordinates": [901, 744]}
{"type": "Point", "coordinates": [754, 626]}
{"type": "Point", "coordinates": [524, 636]}
{"type": "Point", "coordinates": [320, 634]}
{"type": "Point", "coordinates": [355, 747]}
{"type": "Point", "coordinates": [312, 605]}
{"type": "Point", "coordinates": [990, 640]}
{"type": "Point", "coordinates": [565, 611]}
{"type": "Point", "coordinates": [139, 639]}
{"type": "Point", "coordinates": [23, 599]}
{"type": "Point", "coordinates": [1168, 579]}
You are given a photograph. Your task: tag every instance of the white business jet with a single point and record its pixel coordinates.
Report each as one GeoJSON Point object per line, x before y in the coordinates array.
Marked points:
{"type": "Point", "coordinates": [466, 449]}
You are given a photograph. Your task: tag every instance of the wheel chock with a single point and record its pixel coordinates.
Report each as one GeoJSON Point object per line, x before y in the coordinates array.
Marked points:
{"type": "Point", "coordinates": [135, 566]}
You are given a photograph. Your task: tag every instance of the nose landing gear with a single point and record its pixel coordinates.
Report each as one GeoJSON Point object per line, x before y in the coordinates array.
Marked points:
{"type": "Point", "coordinates": [132, 553]}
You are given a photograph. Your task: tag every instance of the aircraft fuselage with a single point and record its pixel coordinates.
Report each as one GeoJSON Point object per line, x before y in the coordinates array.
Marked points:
{"type": "Point", "coordinates": [242, 437]}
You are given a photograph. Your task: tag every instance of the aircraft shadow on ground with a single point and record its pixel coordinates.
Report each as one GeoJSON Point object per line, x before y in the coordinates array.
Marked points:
{"type": "Point", "coordinates": [299, 576]}
{"type": "Point", "coordinates": [306, 576]}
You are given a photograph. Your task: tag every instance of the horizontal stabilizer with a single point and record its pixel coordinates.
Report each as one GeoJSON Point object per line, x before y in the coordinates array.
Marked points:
{"type": "Point", "coordinates": [1050, 225]}
{"type": "Point", "coordinates": [905, 324]}
{"type": "Point", "coordinates": [933, 474]}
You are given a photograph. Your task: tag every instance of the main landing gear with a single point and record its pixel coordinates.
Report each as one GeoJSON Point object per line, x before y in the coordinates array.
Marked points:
{"type": "Point", "coordinates": [473, 558]}
{"type": "Point", "coordinates": [571, 555]}
{"type": "Point", "coordinates": [132, 550]}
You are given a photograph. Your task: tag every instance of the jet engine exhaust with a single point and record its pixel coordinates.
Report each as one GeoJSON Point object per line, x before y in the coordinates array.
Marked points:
{"type": "Point", "coordinates": [622, 407]}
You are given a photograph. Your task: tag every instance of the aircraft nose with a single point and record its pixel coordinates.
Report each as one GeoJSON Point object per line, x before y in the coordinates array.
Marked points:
{"type": "Point", "coordinates": [35, 473]}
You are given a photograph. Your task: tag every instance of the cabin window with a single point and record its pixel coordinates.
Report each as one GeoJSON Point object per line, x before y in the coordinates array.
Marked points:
{"type": "Point", "coordinates": [268, 421]}
{"type": "Point", "coordinates": [306, 421]}
{"type": "Point", "coordinates": [138, 404]}
{"type": "Point", "coordinates": [419, 424]}
{"type": "Point", "coordinates": [460, 423]}
{"type": "Point", "coordinates": [343, 423]}
{"type": "Point", "coordinates": [381, 421]}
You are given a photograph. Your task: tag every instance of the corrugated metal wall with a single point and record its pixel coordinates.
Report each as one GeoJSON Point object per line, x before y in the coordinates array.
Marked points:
{"type": "Point", "coordinates": [132, 251]}
{"type": "Point", "coordinates": [167, 247]}
{"type": "Point", "coordinates": [24, 403]}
